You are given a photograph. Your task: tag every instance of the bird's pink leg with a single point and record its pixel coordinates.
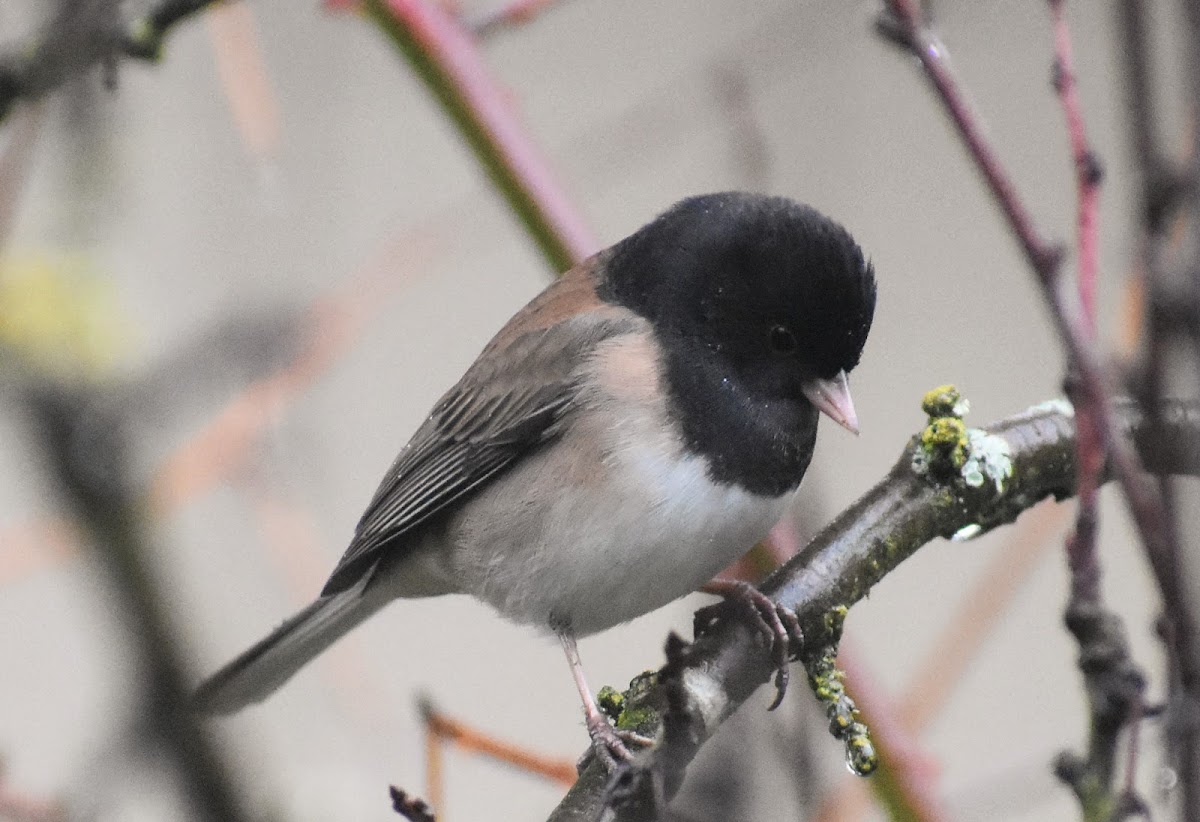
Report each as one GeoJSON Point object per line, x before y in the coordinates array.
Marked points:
{"type": "Point", "coordinates": [608, 742]}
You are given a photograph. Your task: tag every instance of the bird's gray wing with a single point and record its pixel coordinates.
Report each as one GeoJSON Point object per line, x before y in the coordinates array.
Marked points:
{"type": "Point", "coordinates": [514, 399]}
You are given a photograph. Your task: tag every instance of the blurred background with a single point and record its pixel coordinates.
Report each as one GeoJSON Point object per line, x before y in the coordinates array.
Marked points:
{"type": "Point", "coordinates": [274, 252]}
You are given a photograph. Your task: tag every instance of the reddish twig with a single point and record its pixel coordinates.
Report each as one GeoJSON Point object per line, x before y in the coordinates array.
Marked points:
{"type": "Point", "coordinates": [1114, 684]}
{"type": "Point", "coordinates": [1087, 167]}
{"type": "Point", "coordinates": [1081, 547]}
{"type": "Point", "coordinates": [513, 13]}
{"type": "Point", "coordinates": [1145, 501]}
{"type": "Point", "coordinates": [463, 736]}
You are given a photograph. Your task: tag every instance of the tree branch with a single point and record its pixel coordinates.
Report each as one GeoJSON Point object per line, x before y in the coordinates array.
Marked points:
{"type": "Point", "coordinates": [82, 34]}
{"type": "Point", "coordinates": [88, 454]}
{"type": "Point", "coordinates": [1171, 314]}
{"type": "Point", "coordinates": [703, 683]}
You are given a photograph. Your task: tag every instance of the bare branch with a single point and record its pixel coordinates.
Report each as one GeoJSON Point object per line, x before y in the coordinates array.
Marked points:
{"type": "Point", "coordinates": [88, 454]}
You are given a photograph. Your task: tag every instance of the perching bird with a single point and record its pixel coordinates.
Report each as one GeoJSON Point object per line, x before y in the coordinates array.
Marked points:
{"type": "Point", "coordinates": [638, 426]}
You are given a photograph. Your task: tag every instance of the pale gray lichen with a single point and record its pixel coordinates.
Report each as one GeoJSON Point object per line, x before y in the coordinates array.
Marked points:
{"type": "Point", "coordinates": [920, 462]}
{"type": "Point", "coordinates": [988, 458]}
{"type": "Point", "coordinates": [1060, 405]}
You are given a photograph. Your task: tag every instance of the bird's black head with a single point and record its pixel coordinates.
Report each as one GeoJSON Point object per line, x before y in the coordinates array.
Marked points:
{"type": "Point", "coordinates": [773, 289]}
{"type": "Point", "coordinates": [763, 306]}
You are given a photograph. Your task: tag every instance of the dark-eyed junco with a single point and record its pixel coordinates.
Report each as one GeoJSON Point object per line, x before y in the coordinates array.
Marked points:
{"type": "Point", "coordinates": [630, 432]}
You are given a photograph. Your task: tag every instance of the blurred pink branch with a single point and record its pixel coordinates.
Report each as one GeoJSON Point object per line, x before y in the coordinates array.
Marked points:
{"type": "Point", "coordinates": [513, 13]}
{"type": "Point", "coordinates": [244, 78]}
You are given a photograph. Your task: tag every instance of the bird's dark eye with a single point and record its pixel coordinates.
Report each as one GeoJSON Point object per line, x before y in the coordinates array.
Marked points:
{"type": "Point", "coordinates": [782, 340]}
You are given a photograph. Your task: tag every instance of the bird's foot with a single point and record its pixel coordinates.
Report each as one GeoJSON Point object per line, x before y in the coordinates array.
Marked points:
{"type": "Point", "coordinates": [777, 623]}
{"type": "Point", "coordinates": [611, 745]}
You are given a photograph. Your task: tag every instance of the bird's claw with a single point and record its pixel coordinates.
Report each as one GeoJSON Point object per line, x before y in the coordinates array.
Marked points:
{"type": "Point", "coordinates": [777, 623]}
{"type": "Point", "coordinates": [611, 745]}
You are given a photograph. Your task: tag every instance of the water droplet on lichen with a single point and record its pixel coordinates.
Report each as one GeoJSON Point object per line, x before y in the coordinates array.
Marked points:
{"type": "Point", "coordinates": [967, 532]}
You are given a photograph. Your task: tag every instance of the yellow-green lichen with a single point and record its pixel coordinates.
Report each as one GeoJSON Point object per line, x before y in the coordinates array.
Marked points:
{"type": "Point", "coordinates": [861, 757]}
{"type": "Point", "coordinates": [827, 685]}
{"type": "Point", "coordinates": [945, 401]}
{"type": "Point", "coordinates": [947, 449]}
{"type": "Point", "coordinates": [944, 442]}
{"type": "Point", "coordinates": [611, 701]}
{"type": "Point", "coordinates": [631, 710]}
{"type": "Point", "coordinates": [835, 617]}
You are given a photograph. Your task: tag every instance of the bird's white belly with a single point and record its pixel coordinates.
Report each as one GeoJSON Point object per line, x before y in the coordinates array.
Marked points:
{"type": "Point", "coordinates": [560, 543]}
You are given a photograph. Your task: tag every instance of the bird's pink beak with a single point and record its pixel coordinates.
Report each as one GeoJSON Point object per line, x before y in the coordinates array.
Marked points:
{"type": "Point", "coordinates": [832, 398]}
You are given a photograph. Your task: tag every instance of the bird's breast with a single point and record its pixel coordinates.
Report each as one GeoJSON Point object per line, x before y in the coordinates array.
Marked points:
{"type": "Point", "coordinates": [612, 520]}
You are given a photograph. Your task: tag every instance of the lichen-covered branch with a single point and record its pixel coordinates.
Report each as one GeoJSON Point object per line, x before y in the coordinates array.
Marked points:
{"type": "Point", "coordinates": [81, 35]}
{"type": "Point", "coordinates": [919, 500]}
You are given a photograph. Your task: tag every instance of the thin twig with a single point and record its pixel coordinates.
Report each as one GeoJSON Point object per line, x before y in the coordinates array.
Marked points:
{"type": "Point", "coordinates": [1113, 682]}
{"type": "Point", "coordinates": [1144, 497]}
{"type": "Point", "coordinates": [461, 735]}
{"type": "Point", "coordinates": [1087, 166]}
{"type": "Point", "coordinates": [1164, 189]}
{"type": "Point", "coordinates": [510, 15]}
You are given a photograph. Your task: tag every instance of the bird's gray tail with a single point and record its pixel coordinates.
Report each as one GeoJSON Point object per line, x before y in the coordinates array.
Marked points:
{"type": "Point", "coordinates": [272, 661]}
